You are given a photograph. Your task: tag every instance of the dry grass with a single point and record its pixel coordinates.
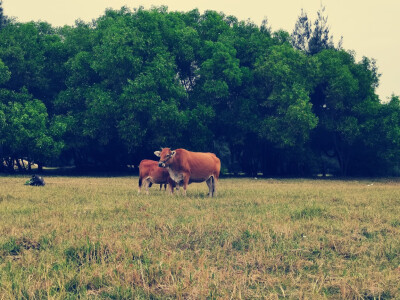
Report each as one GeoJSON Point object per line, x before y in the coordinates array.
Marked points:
{"type": "Point", "coordinates": [96, 238]}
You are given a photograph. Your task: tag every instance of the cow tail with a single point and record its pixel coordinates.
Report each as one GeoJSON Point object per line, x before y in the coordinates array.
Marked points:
{"type": "Point", "coordinates": [218, 170]}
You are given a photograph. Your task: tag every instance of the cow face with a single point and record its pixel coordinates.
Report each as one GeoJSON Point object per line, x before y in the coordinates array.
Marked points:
{"type": "Point", "coordinates": [165, 156]}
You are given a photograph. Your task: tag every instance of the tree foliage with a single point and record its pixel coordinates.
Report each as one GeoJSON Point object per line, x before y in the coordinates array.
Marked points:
{"type": "Point", "coordinates": [313, 38]}
{"type": "Point", "coordinates": [3, 18]}
{"type": "Point", "coordinates": [110, 92]}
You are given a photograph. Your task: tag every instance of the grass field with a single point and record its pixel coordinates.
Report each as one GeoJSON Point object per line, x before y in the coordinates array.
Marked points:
{"type": "Point", "coordinates": [87, 237]}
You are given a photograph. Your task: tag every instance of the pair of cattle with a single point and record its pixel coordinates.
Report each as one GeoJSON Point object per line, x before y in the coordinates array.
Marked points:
{"type": "Point", "coordinates": [180, 167]}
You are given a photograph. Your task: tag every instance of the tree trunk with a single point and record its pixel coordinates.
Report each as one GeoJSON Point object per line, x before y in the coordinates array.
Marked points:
{"type": "Point", "coordinates": [20, 168]}
{"type": "Point", "coordinates": [343, 155]}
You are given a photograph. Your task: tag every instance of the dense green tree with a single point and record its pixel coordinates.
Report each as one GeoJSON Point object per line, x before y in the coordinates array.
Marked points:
{"type": "Point", "coordinates": [388, 143]}
{"type": "Point", "coordinates": [4, 73]}
{"type": "Point", "coordinates": [34, 54]}
{"type": "Point", "coordinates": [285, 75]}
{"type": "Point", "coordinates": [243, 105]}
{"type": "Point", "coordinates": [183, 43]}
{"type": "Point", "coordinates": [109, 92]}
{"type": "Point", "coordinates": [27, 132]}
{"type": "Point", "coordinates": [341, 98]}
{"type": "Point", "coordinates": [149, 106]}
{"type": "Point", "coordinates": [285, 78]}
{"type": "Point", "coordinates": [378, 153]}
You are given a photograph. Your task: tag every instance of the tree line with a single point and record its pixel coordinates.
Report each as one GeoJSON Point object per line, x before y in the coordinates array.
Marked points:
{"type": "Point", "coordinates": [108, 93]}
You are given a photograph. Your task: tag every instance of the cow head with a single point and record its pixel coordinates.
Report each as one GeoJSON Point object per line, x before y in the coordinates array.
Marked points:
{"type": "Point", "coordinates": [165, 156]}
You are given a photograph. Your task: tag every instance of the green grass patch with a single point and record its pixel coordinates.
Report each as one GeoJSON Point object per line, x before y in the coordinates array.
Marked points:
{"type": "Point", "coordinates": [308, 213]}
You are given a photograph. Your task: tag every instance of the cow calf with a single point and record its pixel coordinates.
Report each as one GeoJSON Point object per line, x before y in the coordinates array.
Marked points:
{"type": "Point", "coordinates": [150, 173]}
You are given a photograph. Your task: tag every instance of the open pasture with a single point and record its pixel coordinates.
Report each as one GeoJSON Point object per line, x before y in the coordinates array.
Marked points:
{"type": "Point", "coordinates": [94, 237]}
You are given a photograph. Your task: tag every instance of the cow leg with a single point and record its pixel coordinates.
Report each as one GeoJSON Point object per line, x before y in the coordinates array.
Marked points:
{"type": "Point", "coordinates": [147, 184]}
{"type": "Point", "coordinates": [185, 183]}
{"type": "Point", "coordinates": [160, 187]}
{"type": "Point", "coordinates": [177, 188]}
{"type": "Point", "coordinates": [209, 182]}
{"type": "Point", "coordinates": [140, 185]}
{"type": "Point", "coordinates": [171, 188]}
{"type": "Point", "coordinates": [171, 185]}
{"type": "Point", "coordinates": [214, 186]}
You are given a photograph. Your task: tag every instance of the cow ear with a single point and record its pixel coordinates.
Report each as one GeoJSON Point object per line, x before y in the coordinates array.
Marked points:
{"type": "Point", "coordinates": [173, 153]}
{"type": "Point", "coordinates": [157, 153]}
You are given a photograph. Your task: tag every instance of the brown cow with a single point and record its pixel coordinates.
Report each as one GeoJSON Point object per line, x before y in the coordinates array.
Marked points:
{"type": "Point", "coordinates": [185, 167]}
{"type": "Point", "coordinates": [150, 172]}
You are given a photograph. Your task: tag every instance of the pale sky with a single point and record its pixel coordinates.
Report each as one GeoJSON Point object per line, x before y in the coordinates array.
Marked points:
{"type": "Point", "coordinates": [370, 28]}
